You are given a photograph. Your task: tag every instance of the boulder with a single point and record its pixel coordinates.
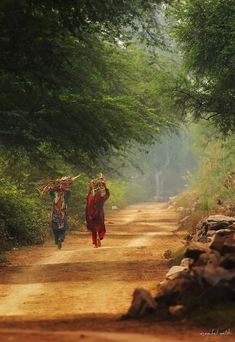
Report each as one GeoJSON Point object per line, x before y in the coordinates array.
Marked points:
{"type": "Point", "coordinates": [211, 233]}
{"type": "Point", "coordinates": [177, 310]}
{"type": "Point", "coordinates": [217, 225]}
{"type": "Point", "coordinates": [195, 249]}
{"type": "Point", "coordinates": [224, 243]}
{"type": "Point", "coordinates": [217, 242]}
{"type": "Point", "coordinates": [178, 290]}
{"type": "Point", "coordinates": [212, 257]}
{"type": "Point", "coordinates": [212, 274]}
{"type": "Point", "coordinates": [186, 262]}
{"type": "Point", "coordinates": [175, 271]}
{"type": "Point", "coordinates": [228, 261]}
{"type": "Point", "coordinates": [213, 223]}
{"type": "Point", "coordinates": [223, 232]}
{"type": "Point", "coordinates": [229, 247]}
{"type": "Point", "coordinates": [220, 218]}
{"type": "Point", "coordinates": [142, 303]}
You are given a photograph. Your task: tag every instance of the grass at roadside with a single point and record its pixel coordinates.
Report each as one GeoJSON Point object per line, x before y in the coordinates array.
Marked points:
{"type": "Point", "coordinates": [3, 257]}
{"type": "Point", "coordinates": [178, 256]}
{"type": "Point", "coordinates": [220, 315]}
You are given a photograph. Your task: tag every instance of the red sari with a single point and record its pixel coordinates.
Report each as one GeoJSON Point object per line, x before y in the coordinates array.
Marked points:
{"type": "Point", "coordinates": [95, 215]}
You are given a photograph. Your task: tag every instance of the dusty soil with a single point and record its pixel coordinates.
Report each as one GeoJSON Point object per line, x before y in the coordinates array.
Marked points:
{"type": "Point", "coordinates": [79, 293]}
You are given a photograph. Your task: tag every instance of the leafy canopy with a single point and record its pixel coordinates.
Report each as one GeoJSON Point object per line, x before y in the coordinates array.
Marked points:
{"type": "Point", "coordinates": [68, 83]}
{"type": "Point", "coordinates": [205, 32]}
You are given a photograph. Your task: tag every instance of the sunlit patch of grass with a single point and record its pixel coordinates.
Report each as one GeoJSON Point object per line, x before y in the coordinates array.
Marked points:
{"type": "Point", "coordinates": [178, 256]}
{"type": "Point", "coordinates": [186, 199]}
{"type": "Point", "coordinates": [192, 221]}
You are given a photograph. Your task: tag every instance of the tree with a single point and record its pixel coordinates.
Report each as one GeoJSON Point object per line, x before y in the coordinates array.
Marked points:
{"type": "Point", "coordinates": [204, 31]}
{"type": "Point", "coordinates": [67, 81]}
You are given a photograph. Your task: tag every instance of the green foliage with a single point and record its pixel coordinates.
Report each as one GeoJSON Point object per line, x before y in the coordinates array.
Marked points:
{"type": "Point", "coordinates": [77, 85]}
{"type": "Point", "coordinates": [205, 32]}
{"type": "Point", "coordinates": [128, 191]}
{"type": "Point", "coordinates": [178, 256]}
{"type": "Point", "coordinates": [215, 315]}
{"type": "Point", "coordinates": [217, 166]}
{"type": "Point", "coordinates": [22, 220]}
{"type": "Point", "coordinates": [85, 101]}
{"type": "Point", "coordinates": [108, 102]}
{"type": "Point", "coordinates": [118, 191]}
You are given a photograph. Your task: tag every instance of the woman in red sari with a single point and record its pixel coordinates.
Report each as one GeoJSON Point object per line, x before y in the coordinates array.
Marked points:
{"type": "Point", "coordinates": [98, 194]}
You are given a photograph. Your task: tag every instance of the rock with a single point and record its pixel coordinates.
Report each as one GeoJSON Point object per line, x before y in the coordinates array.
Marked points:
{"type": "Point", "coordinates": [212, 274]}
{"type": "Point", "coordinates": [175, 271]}
{"type": "Point", "coordinates": [213, 223]}
{"type": "Point", "coordinates": [163, 283]}
{"type": "Point", "coordinates": [195, 249]}
{"type": "Point", "coordinates": [228, 262]}
{"type": "Point", "coordinates": [207, 273]}
{"type": "Point", "coordinates": [211, 233]}
{"type": "Point", "coordinates": [220, 218]}
{"type": "Point", "coordinates": [114, 207]}
{"type": "Point", "coordinates": [217, 294]}
{"type": "Point", "coordinates": [168, 254]}
{"type": "Point", "coordinates": [186, 262]}
{"type": "Point", "coordinates": [177, 310]}
{"type": "Point", "coordinates": [224, 243]}
{"type": "Point", "coordinates": [222, 232]}
{"type": "Point", "coordinates": [229, 246]}
{"type": "Point", "coordinates": [212, 257]}
{"type": "Point", "coordinates": [226, 231]}
{"type": "Point", "coordinates": [232, 284]}
{"type": "Point", "coordinates": [217, 225]}
{"type": "Point", "coordinates": [143, 303]}
{"type": "Point", "coordinates": [217, 242]}
{"type": "Point", "coordinates": [179, 290]}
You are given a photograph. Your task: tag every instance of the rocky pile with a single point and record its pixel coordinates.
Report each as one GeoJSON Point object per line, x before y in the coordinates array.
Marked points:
{"type": "Point", "coordinates": [205, 275]}
{"type": "Point", "coordinates": [212, 225]}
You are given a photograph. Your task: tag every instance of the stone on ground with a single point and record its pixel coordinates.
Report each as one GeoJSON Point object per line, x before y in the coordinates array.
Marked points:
{"type": "Point", "coordinates": [143, 303]}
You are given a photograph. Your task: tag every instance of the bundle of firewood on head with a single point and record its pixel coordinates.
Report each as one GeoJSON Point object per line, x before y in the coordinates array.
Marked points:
{"type": "Point", "coordinates": [97, 184]}
{"type": "Point", "coordinates": [59, 184]}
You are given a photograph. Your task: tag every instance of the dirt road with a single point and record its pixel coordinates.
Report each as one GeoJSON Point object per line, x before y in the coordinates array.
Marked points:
{"type": "Point", "coordinates": [78, 293]}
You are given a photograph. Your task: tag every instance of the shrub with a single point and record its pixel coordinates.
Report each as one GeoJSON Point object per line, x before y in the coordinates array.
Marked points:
{"type": "Point", "coordinates": [22, 219]}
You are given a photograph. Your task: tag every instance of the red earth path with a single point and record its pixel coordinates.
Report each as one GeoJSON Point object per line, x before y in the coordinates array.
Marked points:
{"type": "Point", "coordinates": [79, 293]}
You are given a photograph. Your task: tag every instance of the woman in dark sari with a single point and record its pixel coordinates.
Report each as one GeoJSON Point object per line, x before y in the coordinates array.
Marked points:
{"type": "Point", "coordinates": [59, 190]}
{"type": "Point", "coordinates": [59, 215]}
